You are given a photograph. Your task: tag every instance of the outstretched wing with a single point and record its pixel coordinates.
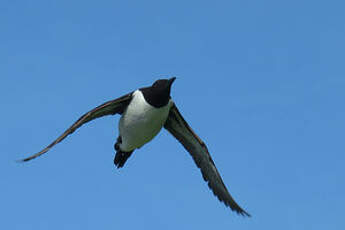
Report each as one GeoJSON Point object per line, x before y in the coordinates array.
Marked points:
{"type": "Point", "coordinates": [179, 128]}
{"type": "Point", "coordinates": [108, 108]}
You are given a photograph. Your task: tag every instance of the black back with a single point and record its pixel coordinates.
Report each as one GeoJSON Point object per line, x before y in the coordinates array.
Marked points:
{"type": "Point", "coordinates": [158, 94]}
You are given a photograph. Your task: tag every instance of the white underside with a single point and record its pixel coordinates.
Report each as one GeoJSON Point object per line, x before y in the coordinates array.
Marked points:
{"type": "Point", "coordinates": [141, 122]}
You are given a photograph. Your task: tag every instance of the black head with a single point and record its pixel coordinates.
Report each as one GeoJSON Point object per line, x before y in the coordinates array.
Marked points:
{"type": "Point", "coordinates": [158, 94]}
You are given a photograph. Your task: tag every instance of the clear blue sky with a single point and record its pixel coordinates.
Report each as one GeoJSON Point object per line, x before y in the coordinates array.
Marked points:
{"type": "Point", "coordinates": [262, 83]}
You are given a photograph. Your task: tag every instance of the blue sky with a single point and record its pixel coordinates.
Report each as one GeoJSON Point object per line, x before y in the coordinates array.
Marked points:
{"type": "Point", "coordinates": [261, 82]}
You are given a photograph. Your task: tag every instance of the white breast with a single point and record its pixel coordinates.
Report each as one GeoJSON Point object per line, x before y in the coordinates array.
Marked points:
{"type": "Point", "coordinates": [141, 122]}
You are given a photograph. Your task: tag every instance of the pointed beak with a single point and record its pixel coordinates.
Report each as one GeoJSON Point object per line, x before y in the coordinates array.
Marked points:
{"type": "Point", "coordinates": [171, 80]}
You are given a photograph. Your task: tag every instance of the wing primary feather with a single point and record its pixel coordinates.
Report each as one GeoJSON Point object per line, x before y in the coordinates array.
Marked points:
{"type": "Point", "coordinates": [180, 129]}
{"type": "Point", "coordinates": [108, 108]}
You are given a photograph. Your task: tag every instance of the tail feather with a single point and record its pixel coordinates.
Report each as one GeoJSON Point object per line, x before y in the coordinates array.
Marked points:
{"type": "Point", "coordinates": [121, 156]}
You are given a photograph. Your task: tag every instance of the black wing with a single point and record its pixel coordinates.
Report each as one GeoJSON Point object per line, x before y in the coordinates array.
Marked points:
{"type": "Point", "coordinates": [179, 128]}
{"type": "Point", "coordinates": [108, 108]}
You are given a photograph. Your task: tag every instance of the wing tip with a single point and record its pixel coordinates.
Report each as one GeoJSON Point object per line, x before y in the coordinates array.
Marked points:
{"type": "Point", "coordinates": [24, 160]}
{"type": "Point", "coordinates": [244, 213]}
{"type": "Point", "coordinates": [32, 157]}
{"type": "Point", "coordinates": [236, 208]}
{"type": "Point", "coordinates": [240, 211]}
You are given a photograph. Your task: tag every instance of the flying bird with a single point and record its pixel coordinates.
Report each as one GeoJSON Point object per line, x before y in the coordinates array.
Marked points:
{"type": "Point", "coordinates": [143, 114]}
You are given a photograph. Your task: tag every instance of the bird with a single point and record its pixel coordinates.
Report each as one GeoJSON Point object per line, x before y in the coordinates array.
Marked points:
{"type": "Point", "coordinates": [144, 112]}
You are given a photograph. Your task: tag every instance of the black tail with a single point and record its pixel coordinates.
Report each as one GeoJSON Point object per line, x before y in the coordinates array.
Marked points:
{"type": "Point", "coordinates": [120, 157]}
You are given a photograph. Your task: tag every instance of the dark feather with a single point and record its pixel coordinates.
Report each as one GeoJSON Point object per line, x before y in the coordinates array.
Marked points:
{"type": "Point", "coordinates": [112, 107]}
{"type": "Point", "coordinates": [179, 128]}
